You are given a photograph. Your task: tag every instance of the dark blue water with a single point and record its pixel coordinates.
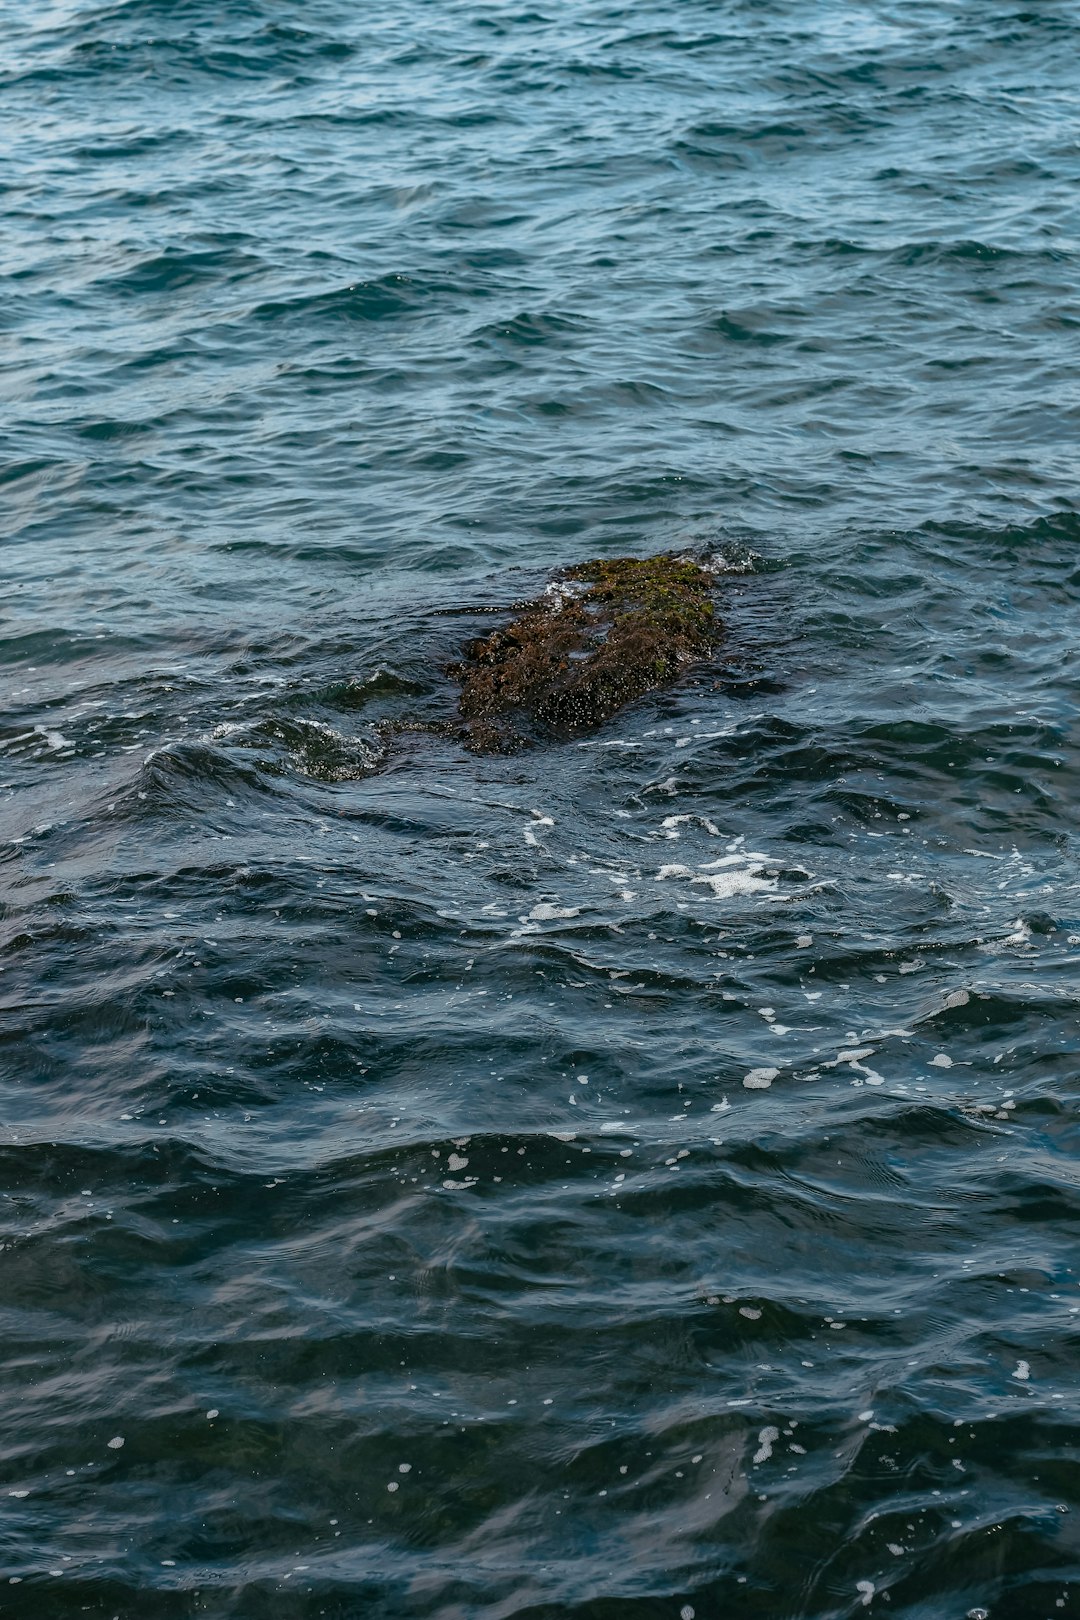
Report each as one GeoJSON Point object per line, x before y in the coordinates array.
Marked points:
{"type": "Point", "coordinates": [632, 1179]}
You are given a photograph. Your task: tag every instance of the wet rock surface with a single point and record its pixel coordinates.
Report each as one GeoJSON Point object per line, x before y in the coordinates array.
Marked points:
{"type": "Point", "coordinates": [606, 632]}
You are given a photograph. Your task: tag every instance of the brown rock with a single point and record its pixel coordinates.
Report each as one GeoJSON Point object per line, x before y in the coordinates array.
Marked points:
{"type": "Point", "coordinates": [617, 628]}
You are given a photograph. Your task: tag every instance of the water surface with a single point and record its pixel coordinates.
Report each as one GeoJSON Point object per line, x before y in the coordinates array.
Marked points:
{"type": "Point", "coordinates": [632, 1179]}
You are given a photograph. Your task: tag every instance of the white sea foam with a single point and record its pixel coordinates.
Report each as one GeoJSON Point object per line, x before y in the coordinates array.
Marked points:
{"type": "Point", "coordinates": [562, 591]}
{"type": "Point", "coordinates": [727, 885]}
{"type": "Point", "coordinates": [957, 998]}
{"type": "Point", "coordinates": [743, 858]}
{"type": "Point", "coordinates": [766, 1440]}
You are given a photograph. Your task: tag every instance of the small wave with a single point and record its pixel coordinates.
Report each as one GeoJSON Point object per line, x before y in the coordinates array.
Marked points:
{"type": "Point", "coordinates": [384, 298]}
{"type": "Point", "coordinates": [976, 252]}
{"type": "Point", "coordinates": [531, 329]}
{"type": "Point", "coordinates": [315, 749]}
{"type": "Point", "coordinates": [177, 269]}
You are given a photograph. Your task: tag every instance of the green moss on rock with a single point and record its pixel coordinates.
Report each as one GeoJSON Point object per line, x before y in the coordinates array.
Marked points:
{"type": "Point", "coordinates": [612, 630]}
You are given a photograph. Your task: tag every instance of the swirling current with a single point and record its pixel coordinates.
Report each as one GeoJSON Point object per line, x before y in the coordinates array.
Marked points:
{"type": "Point", "coordinates": [631, 1179]}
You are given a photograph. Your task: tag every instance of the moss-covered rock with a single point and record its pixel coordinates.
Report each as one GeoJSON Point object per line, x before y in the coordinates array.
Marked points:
{"type": "Point", "coordinates": [607, 632]}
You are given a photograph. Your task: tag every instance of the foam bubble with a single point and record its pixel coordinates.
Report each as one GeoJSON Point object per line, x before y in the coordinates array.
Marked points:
{"type": "Point", "coordinates": [766, 1440]}
{"type": "Point", "coordinates": [727, 885]}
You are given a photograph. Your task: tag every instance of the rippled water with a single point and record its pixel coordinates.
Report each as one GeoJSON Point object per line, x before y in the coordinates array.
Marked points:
{"type": "Point", "coordinates": [637, 1177]}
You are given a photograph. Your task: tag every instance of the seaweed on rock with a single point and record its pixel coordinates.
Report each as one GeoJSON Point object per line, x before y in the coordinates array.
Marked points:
{"type": "Point", "coordinates": [607, 632]}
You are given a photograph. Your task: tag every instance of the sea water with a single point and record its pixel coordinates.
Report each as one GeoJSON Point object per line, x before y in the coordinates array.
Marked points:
{"type": "Point", "coordinates": [634, 1178]}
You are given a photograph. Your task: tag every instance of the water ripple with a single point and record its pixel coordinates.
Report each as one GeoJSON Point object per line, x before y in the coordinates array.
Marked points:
{"type": "Point", "coordinates": [637, 1177]}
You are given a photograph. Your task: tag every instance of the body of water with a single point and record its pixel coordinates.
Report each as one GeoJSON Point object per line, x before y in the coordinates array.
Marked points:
{"type": "Point", "coordinates": [635, 1178]}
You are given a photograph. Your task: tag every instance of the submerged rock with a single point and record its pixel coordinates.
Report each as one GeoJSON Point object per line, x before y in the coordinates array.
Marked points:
{"type": "Point", "coordinates": [606, 632]}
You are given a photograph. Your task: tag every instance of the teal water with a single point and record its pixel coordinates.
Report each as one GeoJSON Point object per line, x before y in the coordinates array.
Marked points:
{"type": "Point", "coordinates": [631, 1180]}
